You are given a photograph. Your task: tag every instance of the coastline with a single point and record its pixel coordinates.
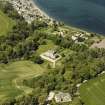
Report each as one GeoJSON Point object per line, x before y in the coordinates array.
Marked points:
{"type": "Point", "coordinates": [69, 25]}
{"type": "Point", "coordinates": [29, 10]}
{"type": "Point", "coordinates": [35, 11]}
{"type": "Point", "coordinates": [41, 11]}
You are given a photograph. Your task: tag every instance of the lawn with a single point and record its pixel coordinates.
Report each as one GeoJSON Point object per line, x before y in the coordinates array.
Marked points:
{"type": "Point", "coordinates": [48, 46]}
{"type": "Point", "coordinates": [93, 92]}
{"type": "Point", "coordinates": [6, 23]}
{"type": "Point", "coordinates": [12, 76]}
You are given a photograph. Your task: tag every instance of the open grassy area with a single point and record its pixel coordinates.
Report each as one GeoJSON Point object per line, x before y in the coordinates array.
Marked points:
{"type": "Point", "coordinates": [6, 23]}
{"type": "Point", "coordinates": [93, 92]}
{"type": "Point", "coordinates": [12, 76]}
{"type": "Point", "coordinates": [48, 46]}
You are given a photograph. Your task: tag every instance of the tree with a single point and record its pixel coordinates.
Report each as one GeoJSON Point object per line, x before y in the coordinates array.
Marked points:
{"type": "Point", "coordinates": [38, 24]}
{"type": "Point", "coordinates": [34, 101]}
{"type": "Point", "coordinates": [38, 60]}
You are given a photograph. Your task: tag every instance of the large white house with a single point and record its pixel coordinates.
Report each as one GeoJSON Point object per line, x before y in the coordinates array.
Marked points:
{"type": "Point", "coordinates": [51, 56]}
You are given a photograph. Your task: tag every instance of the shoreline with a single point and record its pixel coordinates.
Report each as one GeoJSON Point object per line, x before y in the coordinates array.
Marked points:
{"type": "Point", "coordinates": [69, 25]}
{"type": "Point", "coordinates": [29, 10]}
{"type": "Point", "coordinates": [41, 11]}
{"type": "Point", "coordinates": [34, 11]}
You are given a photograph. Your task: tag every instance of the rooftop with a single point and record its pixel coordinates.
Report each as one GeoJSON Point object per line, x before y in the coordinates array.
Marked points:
{"type": "Point", "coordinates": [51, 56]}
{"type": "Point", "coordinates": [62, 97]}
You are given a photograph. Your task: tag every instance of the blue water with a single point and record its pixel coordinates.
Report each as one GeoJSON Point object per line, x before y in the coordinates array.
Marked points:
{"type": "Point", "coordinates": [85, 14]}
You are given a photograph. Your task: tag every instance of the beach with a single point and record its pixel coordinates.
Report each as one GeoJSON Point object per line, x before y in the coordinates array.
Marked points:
{"type": "Point", "coordinates": [41, 11]}
{"type": "Point", "coordinates": [28, 9]}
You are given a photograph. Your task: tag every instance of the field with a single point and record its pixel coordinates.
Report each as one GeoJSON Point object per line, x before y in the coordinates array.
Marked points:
{"type": "Point", "coordinates": [48, 46]}
{"type": "Point", "coordinates": [93, 92]}
{"type": "Point", "coordinates": [12, 75]}
{"type": "Point", "coordinates": [6, 23]}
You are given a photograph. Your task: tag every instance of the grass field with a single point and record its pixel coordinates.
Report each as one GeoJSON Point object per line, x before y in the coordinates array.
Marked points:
{"type": "Point", "coordinates": [93, 92]}
{"type": "Point", "coordinates": [6, 23]}
{"type": "Point", "coordinates": [12, 75]}
{"type": "Point", "coordinates": [48, 46]}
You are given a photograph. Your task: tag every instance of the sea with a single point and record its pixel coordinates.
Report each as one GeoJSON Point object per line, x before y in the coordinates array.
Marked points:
{"type": "Point", "coordinates": [84, 14]}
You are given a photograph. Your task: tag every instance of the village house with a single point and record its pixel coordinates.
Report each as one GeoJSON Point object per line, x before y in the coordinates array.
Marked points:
{"type": "Point", "coordinates": [59, 97]}
{"type": "Point", "coordinates": [50, 96]}
{"type": "Point", "coordinates": [79, 38]}
{"type": "Point", "coordinates": [62, 97]}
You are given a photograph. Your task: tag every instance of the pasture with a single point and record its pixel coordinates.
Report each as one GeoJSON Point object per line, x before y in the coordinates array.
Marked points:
{"type": "Point", "coordinates": [93, 92]}
{"type": "Point", "coordinates": [12, 76]}
{"type": "Point", "coordinates": [6, 23]}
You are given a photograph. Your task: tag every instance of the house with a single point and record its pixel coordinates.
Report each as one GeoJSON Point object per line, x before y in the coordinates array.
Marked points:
{"type": "Point", "coordinates": [51, 56]}
{"type": "Point", "coordinates": [74, 38]}
{"type": "Point", "coordinates": [62, 97]}
{"type": "Point", "coordinates": [79, 38]}
{"type": "Point", "coordinates": [78, 85]}
{"type": "Point", "coordinates": [50, 96]}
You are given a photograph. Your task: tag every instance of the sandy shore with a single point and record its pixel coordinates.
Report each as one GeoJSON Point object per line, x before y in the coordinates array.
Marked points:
{"type": "Point", "coordinates": [28, 9]}
{"type": "Point", "coordinates": [41, 11]}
